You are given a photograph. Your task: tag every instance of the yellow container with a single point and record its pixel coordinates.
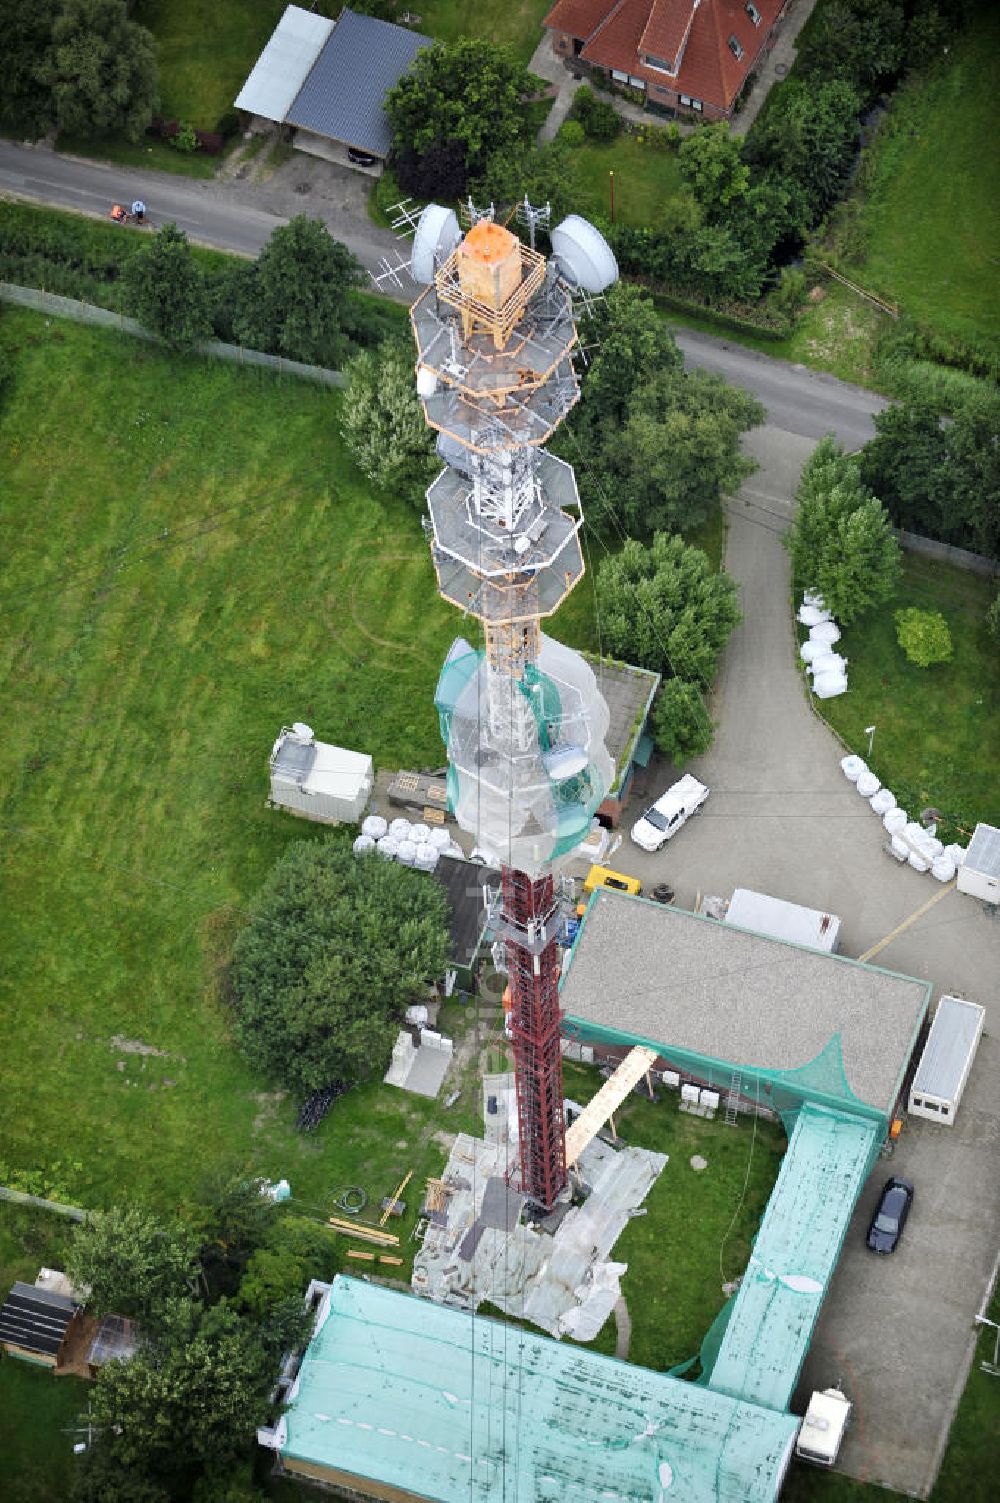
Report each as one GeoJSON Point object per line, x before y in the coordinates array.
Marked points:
{"type": "Point", "coordinates": [603, 876]}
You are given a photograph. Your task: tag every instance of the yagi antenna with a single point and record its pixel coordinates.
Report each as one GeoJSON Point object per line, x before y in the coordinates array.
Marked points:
{"type": "Point", "coordinates": [534, 216]}
{"type": "Point", "coordinates": [404, 216]}
{"type": "Point", "coordinates": [474, 215]}
{"type": "Point", "coordinates": [388, 272]}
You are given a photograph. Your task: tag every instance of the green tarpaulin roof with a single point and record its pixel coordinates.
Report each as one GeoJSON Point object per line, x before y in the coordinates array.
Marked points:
{"type": "Point", "coordinates": [451, 1407]}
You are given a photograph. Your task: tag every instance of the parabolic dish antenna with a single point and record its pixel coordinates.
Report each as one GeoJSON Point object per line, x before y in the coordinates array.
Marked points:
{"type": "Point", "coordinates": [585, 258]}
{"type": "Point", "coordinates": [436, 237]}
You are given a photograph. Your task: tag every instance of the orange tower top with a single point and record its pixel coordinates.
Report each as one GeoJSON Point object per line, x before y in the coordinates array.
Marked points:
{"type": "Point", "coordinates": [489, 264]}
{"type": "Point", "coordinates": [488, 242]}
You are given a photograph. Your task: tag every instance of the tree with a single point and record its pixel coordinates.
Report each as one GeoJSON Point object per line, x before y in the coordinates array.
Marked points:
{"type": "Point", "coordinates": [711, 163]}
{"type": "Point", "coordinates": [101, 70]}
{"type": "Point", "coordinates": [993, 619]}
{"type": "Point", "coordinates": [230, 1221]}
{"type": "Point", "coordinates": [467, 92]}
{"type": "Point", "coordinates": [809, 135]}
{"type": "Point", "coordinates": [165, 290]}
{"type": "Point", "coordinates": [383, 423]}
{"type": "Point", "coordinates": [546, 173]}
{"type": "Point", "coordinates": [677, 452]}
{"type": "Point", "coordinates": [633, 343]}
{"type": "Point", "coordinates": [664, 608]}
{"type": "Point", "coordinates": [905, 464]}
{"type": "Point", "coordinates": [26, 102]}
{"type": "Point", "coordinates": [191, 1396]}
{"type": "Point", "coordinates": [336, 950]}
{"type": "Point", "coordinates": [860, 41]}
{"type": "Point", "coordinates": [297, 1250]}
{"type": "Point", "coordinates": [131, 1261]}
{"type": "Point", "coordinates": [299, 299]}
{"type": "Point", "coordinates": [841, 539]}
{"type": "Point", "coordinates": [682, 727]}
{"type": "Point", "coordinates": [924, 636]}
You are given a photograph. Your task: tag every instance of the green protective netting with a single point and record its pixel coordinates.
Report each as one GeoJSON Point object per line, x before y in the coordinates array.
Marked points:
{"type": "Point", "coordinates": [755, 1347]}
{"type": "Point", "coordinates": [822, 1080]}
{"type": "Point", "coordinates": [543, 697]}
{"type": "Point", "coordinates": [456, 674]}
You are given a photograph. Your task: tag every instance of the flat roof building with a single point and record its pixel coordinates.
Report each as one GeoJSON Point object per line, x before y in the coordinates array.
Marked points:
{"type": "Point", "coordinates": [329, 81]}
{"type": "Point", "coordinates": [797, 1024]}
{"type": "Point", "coordinates": [401, 1398]}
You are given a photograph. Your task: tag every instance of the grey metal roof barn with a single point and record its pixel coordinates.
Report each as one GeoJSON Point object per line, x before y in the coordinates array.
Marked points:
{"type": "Point", "coordinates": [692, 986]}
{"type": "Point", "coordinates": [34, 1322]}
{"type": "Point", "coordinates": [344, 95]}
{"type": "Point", "coordinates": [284, 65]}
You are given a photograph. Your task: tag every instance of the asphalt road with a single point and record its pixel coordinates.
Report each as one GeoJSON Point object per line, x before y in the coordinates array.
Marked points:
{"type": "Point", "coordinates": [237, 217]}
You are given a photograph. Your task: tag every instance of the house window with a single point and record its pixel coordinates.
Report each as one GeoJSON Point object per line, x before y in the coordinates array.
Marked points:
{"type": "Point", "coordinates": [659, 63]}
{"type": "Point", "coordinates": [752, 12]}
{"type": "Point", "coordinates": [736, 48]}
{"type": "Point", "coordinates": [685, 99]}
{"type": "Point", "coordinates": [638, 83]}
{"type": "Point", "coordinates": [619, 77]}
{"type": "Point", "coordinates": [696, 104]}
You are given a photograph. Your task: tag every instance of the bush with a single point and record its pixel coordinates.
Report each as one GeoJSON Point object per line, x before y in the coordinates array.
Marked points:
{"type": "Point", "coordinates": [572, 133]}
{"type": "Point", "coordinates": [924, 636]}
{"type": "Point", "coordinates": [993, 619]}
{"type": "Point", "coordinates": [185, 139]}
{"type": "Point", "coordinates": [599, 118]}
{"type": "Point", "coordinates": [682, 727]}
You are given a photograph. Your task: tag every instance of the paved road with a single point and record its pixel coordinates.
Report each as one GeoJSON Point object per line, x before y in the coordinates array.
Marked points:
{"type": "Point", "coordinates": [782, 818]}
{"type": "Point", "coordinates": [229, 216]}
{"type": "Point", "coordinates": [240, 217]}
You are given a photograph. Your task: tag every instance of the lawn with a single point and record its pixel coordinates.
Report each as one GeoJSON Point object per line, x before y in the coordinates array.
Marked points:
{"type": "Point", "coordinates": [931, 217]}
{"type": "Point", "coordinates": [204, 51]}
{"type": "Point", "coordinates": [513, 23]}
{"type": "Point", "coordinates": [937, 737]}
{"type": "Point", "coordinates": [645, 179]}
{"type": "Point", "coordinates": [699, 1227]}
{"type": "Point", "coordinates": [196, 563]}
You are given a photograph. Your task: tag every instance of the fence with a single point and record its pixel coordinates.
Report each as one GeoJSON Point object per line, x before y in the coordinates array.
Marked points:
{"type": "Point", "coordinates": [974, 563]}
{"type": "Point", "coordinates": [215, 349]}
{"type": "Point", "coordinates": [19, 1198]}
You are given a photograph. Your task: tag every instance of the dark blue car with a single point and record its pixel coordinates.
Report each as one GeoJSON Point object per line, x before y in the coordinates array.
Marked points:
{"type": "Point", "coordinates": [886, 1226]}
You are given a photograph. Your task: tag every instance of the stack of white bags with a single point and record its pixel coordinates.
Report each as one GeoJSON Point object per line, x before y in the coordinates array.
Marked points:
{"type": "Point", "coordinates": [908, 840]}
{"type": "Point", "coordinates": [828, 668]}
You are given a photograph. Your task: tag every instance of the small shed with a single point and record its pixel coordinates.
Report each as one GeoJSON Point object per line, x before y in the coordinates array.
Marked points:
{"type": "Point", "coordinates": [947, 1059]}
{"type": "Point", "coordinates": [325, 783]}
{"type": "Point", "coordinates": [466, 885]}
{"type": "Point", "coordinates": [629, 693]}
{"type": "Point", "coordinates": [783, 920]}
{"type": "Point", "coordinates": [116, 1341]}
{"type": "Point", "coordinates": [979, 874]}
{"type": "Point", "coordinates": [35, 1323]}
{"type": "Point", "coordinates": [283, 66]}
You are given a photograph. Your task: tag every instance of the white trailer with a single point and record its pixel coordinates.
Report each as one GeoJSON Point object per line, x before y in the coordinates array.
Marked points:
{"type": "Point", "coordinates": [783, 920]}
{"type": "Point", "coordinates": [823, 1427]}
{"type": "Point", "coordinates": [317, 781]}
{"type": "Point", "coordinates": [947, 1059]}
{"type": "Point", "coordinates": [979, 873]}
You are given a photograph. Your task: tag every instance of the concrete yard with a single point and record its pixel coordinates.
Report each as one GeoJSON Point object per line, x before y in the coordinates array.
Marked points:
{"type": "Point", "coordinates": [782, 819]}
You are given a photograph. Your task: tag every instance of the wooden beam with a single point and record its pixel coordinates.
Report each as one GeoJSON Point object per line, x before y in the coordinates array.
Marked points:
{"type": "Point", "coordinates": [395, 1196]}
{"type": "Point", "coordinates": [637, 1063]}
{"type": "Point", "coordinates": [363, 1233]}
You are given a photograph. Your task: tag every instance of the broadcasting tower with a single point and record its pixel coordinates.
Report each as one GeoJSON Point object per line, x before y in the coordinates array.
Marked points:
{"type": "Point", "coordinates": [522, 717]}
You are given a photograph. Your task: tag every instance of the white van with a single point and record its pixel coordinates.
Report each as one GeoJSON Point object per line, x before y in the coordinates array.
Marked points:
{"type": "Point", "coordinates": [823, 1427]}
{"type": "Point", "coordinates": [662, 820]}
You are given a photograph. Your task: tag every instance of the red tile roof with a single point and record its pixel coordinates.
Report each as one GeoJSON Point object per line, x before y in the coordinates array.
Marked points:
{"type": "Point", "coordinates": [615, 31]}
{"type": "Point", "coordinates": [579, 18]}
{"type": "Point", "coordinates": [666, 27]}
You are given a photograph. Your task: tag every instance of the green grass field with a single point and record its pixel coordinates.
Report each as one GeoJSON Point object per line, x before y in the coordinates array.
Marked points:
{"type": "Point", "coordinates": [931, 216]}
{"type": "Point", "coordinates": [204, 52]}
{"type": "Point", "coordinates": [937, 738]}
{"type": "Point", "coordinates": [644, 180]}
{"type": "Point", "coordinates": [197, 562]}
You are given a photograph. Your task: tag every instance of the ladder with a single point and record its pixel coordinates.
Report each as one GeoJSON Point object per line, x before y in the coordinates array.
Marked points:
{"type": "Point", "coordinates": [733, 1099]}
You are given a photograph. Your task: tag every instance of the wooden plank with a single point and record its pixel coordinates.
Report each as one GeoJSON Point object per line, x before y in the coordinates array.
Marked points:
{"type": "Point", "coordinates": [388, 1258]}
{"type": "Point", "coordinates": [433, 816]}
{"type": "Point", "coordinates": [366, 1257]}
{"type": "Point", "coordinates": [637, 1063]}
{"type": "Point", "coordinates": [363, 1233]}
{"type": "Point", "coordinates": [395, 1197]}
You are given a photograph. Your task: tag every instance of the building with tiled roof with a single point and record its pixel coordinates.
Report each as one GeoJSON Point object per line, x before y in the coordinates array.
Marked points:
{"type": "Point", "coordinates": [687, 57]}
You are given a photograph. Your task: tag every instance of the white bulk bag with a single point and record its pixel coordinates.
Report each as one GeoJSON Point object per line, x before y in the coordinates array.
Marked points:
{"type": "Point", "coordinates": [420, 834]}
{"type": "Point", "coordinates": [852, 767]}
{"type": "Point", "coordinates": [956, 852]}
{"type": "Point", "coordinates": [883, 801]}
{"type": "Point", "coordinates": [387, 847]}
{"type": "Point", "coordinates": [407, 853]}
{"type": "Point", "coordinates": [810, 650]}
{"type": "Point", "coordinates": [363, 845]}
{"type": "Point", "coordinates": [812, 615]}
{"type": "Point", "coordinates": [375, 826]}
{"type": "Point", "coordinates": [812, 597]}
{"type": "Point", "coordinates": [829, 662]}
{"type": "Point", "coordinates": [943, 867]}
{"type": "Point", "coordinates": [900, 849]}
{"type": "Point", "coordinates": [868, 784]}
{"type": "Point", "coordinates": [426, 858]}
{"type": "Point", "coordinates": [829, 685]}
{"type": "Point", "coordinates": [400, 829]}
{"type": "Point", "coordinates": [895, 821]}
{"type": "Point", "coordinates": [440, 838]}
{"type": "Point", "coordinates": [917, 862]}
{"type": "Point", "coordinates": [826, 631]}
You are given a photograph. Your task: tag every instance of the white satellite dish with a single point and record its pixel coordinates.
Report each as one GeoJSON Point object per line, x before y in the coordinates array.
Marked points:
{"type": "Point", "coordinates": [436, 237]}
{"type": "Point", "coordinates": [585, 258]}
